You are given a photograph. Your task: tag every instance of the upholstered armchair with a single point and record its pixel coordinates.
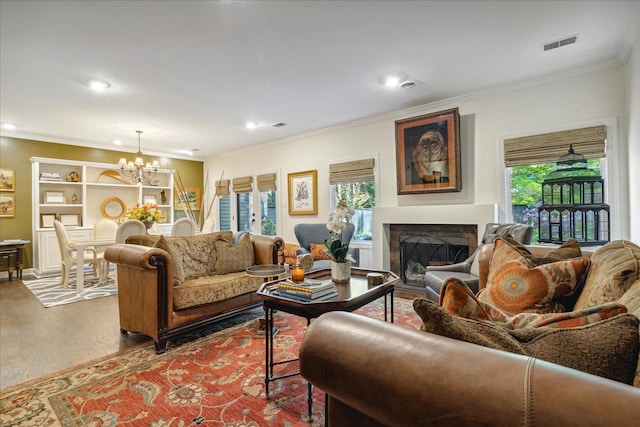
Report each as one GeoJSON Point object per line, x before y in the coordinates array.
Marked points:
{"type": "Point", "coordinates": [316, 234]}
{"type": "Point", "coordinates": [468, 270]}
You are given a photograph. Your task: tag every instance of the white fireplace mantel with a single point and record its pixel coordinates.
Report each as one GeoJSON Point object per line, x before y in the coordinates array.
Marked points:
{"type": "Point", "coordinates": [437, 214]}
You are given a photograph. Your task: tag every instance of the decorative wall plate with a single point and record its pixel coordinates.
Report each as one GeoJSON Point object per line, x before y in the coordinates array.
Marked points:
{"type": "Point", "coordinates": [113, 208]}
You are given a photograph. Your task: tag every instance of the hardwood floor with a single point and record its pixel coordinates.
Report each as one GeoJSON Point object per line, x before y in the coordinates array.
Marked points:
{"type": "Point", "coordinates": [35, 341]}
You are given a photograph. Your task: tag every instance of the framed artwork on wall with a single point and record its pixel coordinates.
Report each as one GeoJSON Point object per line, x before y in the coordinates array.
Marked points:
{"type": "Point", "coordinates": [7, 180]}
{"type": "Point", "coordinates": [7, 205]}
{"type": "Point", "coordinates": [190, 195]}
{"type": "Point", "coordinates": [428, 153]}
{"type": "Point", "coordinates": [303, 193]}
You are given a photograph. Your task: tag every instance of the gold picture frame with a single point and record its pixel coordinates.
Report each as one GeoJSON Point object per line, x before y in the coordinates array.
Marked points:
{"type": "Point", "coordinates": [55, 197]}
{"type": "Point", "coordinates": [7, 179]}
{"type": "Point", "coordinates": [70, 219]}
{"type": "Point", "coordinates": [7, 205]}
{"type": "Point", "coordinates": [303, 193]}
{"type": "Point", "coordinates": [192, 195]}
{"type": "Point", "coordinates": [428, 153]}
{"type": "Point", "coordinates": [47, 219]}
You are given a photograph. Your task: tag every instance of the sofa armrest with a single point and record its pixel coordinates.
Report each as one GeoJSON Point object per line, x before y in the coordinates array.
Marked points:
{"type": "Point", "coordinates": [135, 256]}
{"type": "Point", "coordinates": [459, 267]}
{"type": "Point", "coordinates": [266, 248]}
{"type": "Point", "coordinates": [399, 377]}
{"type": "Point", "coordinates": [484, 261]}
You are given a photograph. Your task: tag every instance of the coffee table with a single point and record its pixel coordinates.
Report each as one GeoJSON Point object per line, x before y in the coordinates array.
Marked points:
{"type": "Point", "coordinates": [351, 296]}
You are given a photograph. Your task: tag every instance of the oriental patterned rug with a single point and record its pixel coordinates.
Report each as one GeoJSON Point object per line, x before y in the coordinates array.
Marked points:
{"type": "Point", "coordinates": [215, 380]}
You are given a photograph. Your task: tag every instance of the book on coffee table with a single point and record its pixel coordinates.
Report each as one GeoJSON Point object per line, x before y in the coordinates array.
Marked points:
{"type": "Point", "coordinates": [308, 290]}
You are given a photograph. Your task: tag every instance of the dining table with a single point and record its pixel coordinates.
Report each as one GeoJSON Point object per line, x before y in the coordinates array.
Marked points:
{"type": "Point", "coordinates": [81, 247]}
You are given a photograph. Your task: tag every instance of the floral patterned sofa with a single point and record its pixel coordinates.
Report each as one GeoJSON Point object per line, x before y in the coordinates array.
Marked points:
{"type": "Point", "coordinates": [169, 285]}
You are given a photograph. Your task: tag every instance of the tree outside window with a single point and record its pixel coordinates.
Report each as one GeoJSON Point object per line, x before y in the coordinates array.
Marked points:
{"type": "Point", "coordinates": [361, 196]}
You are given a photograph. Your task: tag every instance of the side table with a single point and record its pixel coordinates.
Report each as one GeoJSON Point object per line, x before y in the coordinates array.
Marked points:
{"type": "Point", "coordinates": [268, 272]}
{"type": "Point", "coordinates": [11, 251]}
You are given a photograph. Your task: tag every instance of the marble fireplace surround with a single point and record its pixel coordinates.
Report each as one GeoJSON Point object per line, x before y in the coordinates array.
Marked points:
{"type": "Point", "coordinates": [477, 214]}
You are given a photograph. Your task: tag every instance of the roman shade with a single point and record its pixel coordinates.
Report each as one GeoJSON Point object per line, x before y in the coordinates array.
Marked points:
{"type": "Point", "coordinates": [222, 187]}
{"type": "Point", "coordinates": [549, 147]}
{"type": "Point", "coordinates": [353, 171]}
{"type": "Point", "coordinates": [266, 182]}
{"type": "Point", "coordinates": [243, 184]}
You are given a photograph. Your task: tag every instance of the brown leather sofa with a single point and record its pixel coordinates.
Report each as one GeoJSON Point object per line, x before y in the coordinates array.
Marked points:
{"type": "Point", "coordinates": [380, 374]}
{"type": "Point", "coordinates": [153, 302]}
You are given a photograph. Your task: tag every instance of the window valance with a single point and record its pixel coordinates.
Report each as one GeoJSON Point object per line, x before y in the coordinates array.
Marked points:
{"type": "Point", "coordinates": [549, 147]}
{"type": "Point", "coordinates": [353, 171]}
{"type": "Point", "coordinates": [222, 187]}
{"type": "Point", "coordinates": [243, 184]}
{"type": "Point", "coordinates": [266, 182]}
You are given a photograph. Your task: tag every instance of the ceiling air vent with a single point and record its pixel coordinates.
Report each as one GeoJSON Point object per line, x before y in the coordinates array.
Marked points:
{"type": "Point", "coordinates": [407, 85]}
{"type": "Point", "coordinates": [559, 43]}
{"type": "Point", "coordinates": [278, 125]}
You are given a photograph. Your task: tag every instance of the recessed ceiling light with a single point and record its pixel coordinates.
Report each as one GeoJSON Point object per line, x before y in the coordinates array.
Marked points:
{"type": "Point", "coordinates": [98, 85]}
{"type": "Point", "coordinates": [8, 126]}
{"type": "Point", "coordinates": [392, 81]}
{"type": "Point", "coordinates": [187, 152]}
{"type": "Point", "coordinates": [251, 125]}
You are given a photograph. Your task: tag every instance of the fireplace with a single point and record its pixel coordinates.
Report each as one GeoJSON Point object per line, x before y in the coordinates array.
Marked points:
{"type": "Point", "coordinates": [413, 247]}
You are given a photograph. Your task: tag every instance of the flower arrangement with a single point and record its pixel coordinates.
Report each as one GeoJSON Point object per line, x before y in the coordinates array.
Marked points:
{"type": "Point", "coordinates": [337, 223]}
{"type": "Point", "coordinates": [147, 213]}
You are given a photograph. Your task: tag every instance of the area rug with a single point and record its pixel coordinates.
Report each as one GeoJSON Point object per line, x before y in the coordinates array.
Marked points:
{"type": "Point", "coordinates": [50, 292]}
{"type": "Point", "coordinates": [214, 380]}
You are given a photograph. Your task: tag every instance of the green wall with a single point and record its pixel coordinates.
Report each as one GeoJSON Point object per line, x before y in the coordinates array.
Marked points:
{"type": "Point", "coordinates": [15, 154]}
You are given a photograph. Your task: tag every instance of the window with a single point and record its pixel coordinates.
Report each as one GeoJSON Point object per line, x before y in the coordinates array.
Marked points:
{"type": "Point", "coordinates": [268, 217]}
{"type": "Point", "coordinates": [243, 187]}
{"type": "Point", "coordinates": [225, 212]}
{"type": "Point", "coordinates": [530, 159]}
{"type": "Point", "coordinates": [354, 183]}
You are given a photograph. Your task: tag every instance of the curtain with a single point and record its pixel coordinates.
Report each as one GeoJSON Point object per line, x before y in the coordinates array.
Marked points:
{"type": "Point", "coordinates": [549, 147]}
{"type": "Point", "coordinates": [354, 171]}
{"type": "Point", "coordinates": [243, 184]}
{"type": "Point", "coordinates": [266, 182]}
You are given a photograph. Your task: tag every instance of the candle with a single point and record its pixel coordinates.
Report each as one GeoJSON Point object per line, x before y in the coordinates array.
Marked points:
{"type": "Point", "coordinates": [297, 274]}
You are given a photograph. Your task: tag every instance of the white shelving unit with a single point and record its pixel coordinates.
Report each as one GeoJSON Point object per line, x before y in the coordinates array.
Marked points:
{"type": "Point", "coordinates": [81, 204]}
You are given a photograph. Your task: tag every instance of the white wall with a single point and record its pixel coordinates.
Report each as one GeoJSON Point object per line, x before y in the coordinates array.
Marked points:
{"type": "Point", "coordinates": [632, 79]}
{"type": "Point", "coordinates": [486, 119]}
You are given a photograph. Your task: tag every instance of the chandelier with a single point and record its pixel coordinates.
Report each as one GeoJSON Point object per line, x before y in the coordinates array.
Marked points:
{"type": "Point", "coordinates": [138, 171]}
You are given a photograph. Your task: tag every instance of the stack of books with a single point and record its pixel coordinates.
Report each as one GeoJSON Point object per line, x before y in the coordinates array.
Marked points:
{"type": "Point", "coordinates": [309, 290]}
{"type": "Point", "coordinates": [50, 176]}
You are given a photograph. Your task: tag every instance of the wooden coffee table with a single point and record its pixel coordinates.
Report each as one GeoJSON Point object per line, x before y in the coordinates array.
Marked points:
{"type": "Point", "coordinates": [351, 296]}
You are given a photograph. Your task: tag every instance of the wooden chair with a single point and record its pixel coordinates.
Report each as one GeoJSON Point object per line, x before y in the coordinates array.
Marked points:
{"type": "Point", "coordinates": [129, 228]}
{"type": "Point", "coordinates": [104, 229]}
{"type": "Point", "coordinates": [68, 255]}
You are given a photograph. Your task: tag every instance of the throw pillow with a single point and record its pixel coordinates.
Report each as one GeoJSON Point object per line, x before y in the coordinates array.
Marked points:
{"type": "Point", "coordinates": [176, 258]}
{"type": "Point", "coordinates": [515, 284]}
{"type": "Point", "coordinates": [231, 259]}
{"type": "Point", "coordinates": [611, 345]}
{"type": "Point", "coordinates": [631, 300]}
{"type": "Point", "coordinates": [458, 299]}
{"type": "Point", "coordinates": [569, 249]}
{"type": "Point", "coordinates": [614, 268]}
{"type": "Point", "coordinates": [318, 251]}
{"type": "Point", "coordinates": [289, 253]}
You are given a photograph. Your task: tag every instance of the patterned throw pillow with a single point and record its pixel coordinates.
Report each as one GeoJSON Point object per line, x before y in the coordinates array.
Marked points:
{"type": "Point", "coordinates": [176, 258]}
{"type": "Point", "coordinates": [289, 252]}
{"type": "Point", "coordinates": [569, 249]}
{"type": "Point", "coordinates": [317, 250]}
{"type": "Point", "coordinates": [515, 284]}
{"type": "Point", "coordinates": [614, 268]}
{"type": "Point", "coordinates": [612, 344]}
{"type": "Point", "coordinates": [631, 300]}
{"type": "Point", "coordinates": [458, 299]}
{"type": "Point", "coordinates": [231, 259]}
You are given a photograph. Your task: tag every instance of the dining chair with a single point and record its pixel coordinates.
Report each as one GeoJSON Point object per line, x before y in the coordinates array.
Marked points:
{"type": "Point", "coordinates": [209, 225]}
{"type": "Point", "coordinates": [68, 255]}
{"type": "Point", "coordinates": [129, 228]}
{"type": "Point", "coordinates": [184, 227]}
{"type": "Point", "coordinates": [104, 228]}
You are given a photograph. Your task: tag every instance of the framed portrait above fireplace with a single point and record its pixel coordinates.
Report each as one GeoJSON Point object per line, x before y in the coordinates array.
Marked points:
{"type": "Point", "coordinates": [428, 153]}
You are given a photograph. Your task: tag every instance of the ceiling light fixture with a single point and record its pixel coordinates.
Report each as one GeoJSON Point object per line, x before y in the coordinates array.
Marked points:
{"type": "Point", "coordinates": [392, 81]}
{"type": "Point", "coordinates": [8, 126]}
{"type": "Point", "coordinates": [117, 142]}
{"type": "Point", "coordinates": [98, 85]}
{"type": "Point", "coordinates": [251, 125]}
{"type": "Point", "coordinates": [138, 171]}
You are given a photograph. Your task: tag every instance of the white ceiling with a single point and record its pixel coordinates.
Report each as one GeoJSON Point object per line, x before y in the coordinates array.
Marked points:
{"type": "Point", "coordinates": [190, 74]}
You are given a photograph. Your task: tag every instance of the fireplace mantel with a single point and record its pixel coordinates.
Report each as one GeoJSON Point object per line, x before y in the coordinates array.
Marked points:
{"type": "Point", "coordinates": [437, 214]}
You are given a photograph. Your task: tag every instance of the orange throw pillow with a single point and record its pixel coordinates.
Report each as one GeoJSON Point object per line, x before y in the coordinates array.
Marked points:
{"type": "Point", "coordinates": [318, 251]}
{"type": "Point", "coordinates": [515, 284]}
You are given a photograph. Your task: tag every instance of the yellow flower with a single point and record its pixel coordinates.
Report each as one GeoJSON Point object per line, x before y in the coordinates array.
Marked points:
{"type": "Point", "coordinates": [147, 213]}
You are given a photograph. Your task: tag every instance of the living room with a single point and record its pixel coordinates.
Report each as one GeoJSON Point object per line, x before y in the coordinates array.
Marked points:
{"type": "Point", "coordinates": [604, 93]}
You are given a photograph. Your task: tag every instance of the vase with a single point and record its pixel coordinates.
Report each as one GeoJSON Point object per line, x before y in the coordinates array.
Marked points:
{"type": "Point", "coordinates": [340, 272]}
{"type": "Point", "coordinates": [149, 225]}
